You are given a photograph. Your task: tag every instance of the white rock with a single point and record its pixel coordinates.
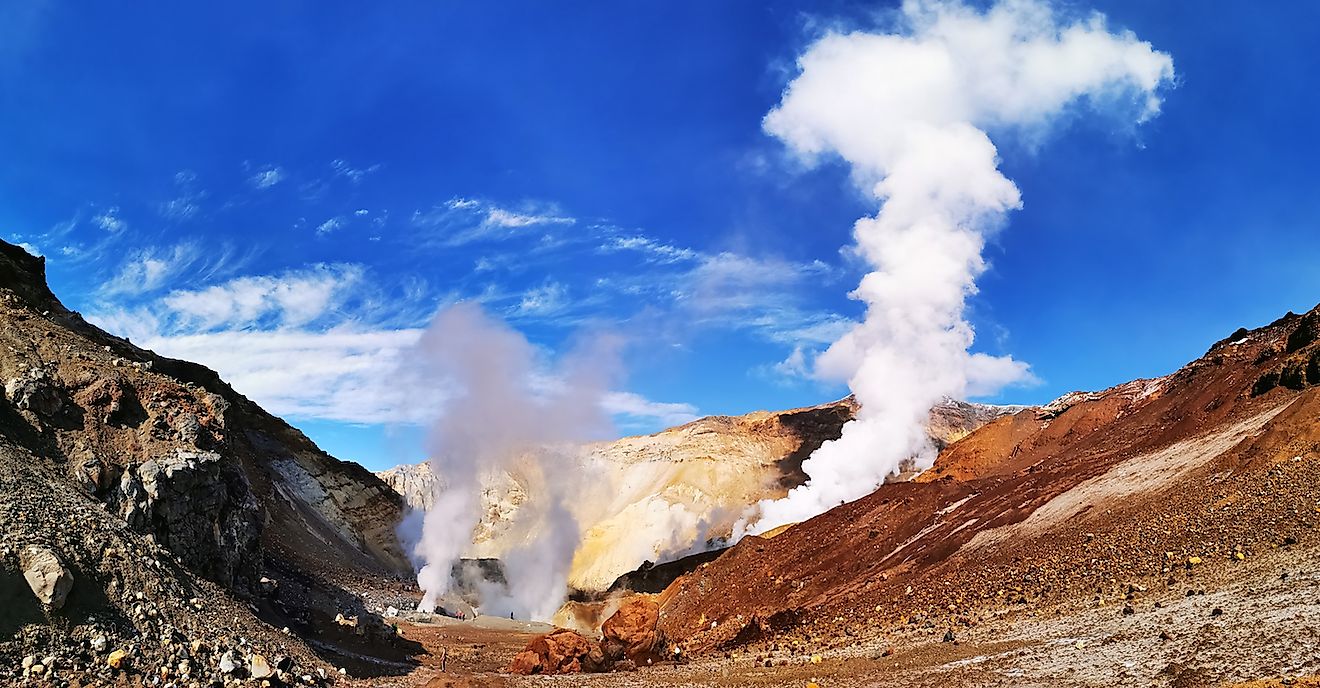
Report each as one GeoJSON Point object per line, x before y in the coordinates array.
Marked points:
{"type": "Point", "coordinates": [259, 668]}
{"type": "Point", "coordinates": [46, 575]}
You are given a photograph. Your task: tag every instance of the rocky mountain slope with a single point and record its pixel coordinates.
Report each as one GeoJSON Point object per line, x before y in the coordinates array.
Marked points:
{"type": "Point", "coordinates": [1143, 491]}
{"type": "Point", "coordinates": [146, 474]}
{"type": "Point", "coordinates": [663, 495]}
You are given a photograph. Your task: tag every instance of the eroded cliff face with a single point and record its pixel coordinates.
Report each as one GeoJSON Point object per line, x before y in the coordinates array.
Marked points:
{"type": "Point", "coordinates": [175, 452]}
{"type": "Point", "coordinates": [660, 496]}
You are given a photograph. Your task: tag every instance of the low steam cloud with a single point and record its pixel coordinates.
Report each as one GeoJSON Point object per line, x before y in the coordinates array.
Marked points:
{"type": "Point", "coordinates": [909, 112]}
{"type": "Point", "coordinates": [508, 412]}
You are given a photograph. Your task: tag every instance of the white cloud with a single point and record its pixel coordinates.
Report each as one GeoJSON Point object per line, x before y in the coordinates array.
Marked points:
{"type": "Point", "coordinates": [188, 203]}
{"type": "Point", "coordinates": [110, 221]}
{"type": "Point", "coordinates": [290, 299]}
{"type": "Point", "coordinates": [181, 208]}
{"type": "Point", "coordinates": [635, 409]}
{"type": "Point", "coordinates": [795, 366]}
{"type": "Point", "coordinates": [291, 342]}
{"type": "Point", "coordinates": [547, 299]}
{"type": "Point", "coordinates": [329, 226]}
{"type": "Point", "coordinates": [266, 178]}
{"type": "Point", "coordinates": [353, 174]}
{"type": "Point", "coordinates": [499, 217]}
{"type": "Point", "coordinates": [351, 376]}
{"type": "Point", "coordinates": [655, 251]}
{"type": "Point", "coordinates": [29, 248]}
{"type": "Point", "coordinates": [148, 269]}
{"type": "Point", "coordinates": [761, 294]}
{"type": "Point", "coordinates": [461, 221]}
{"type": "Point", "coordinates": [462, 204]}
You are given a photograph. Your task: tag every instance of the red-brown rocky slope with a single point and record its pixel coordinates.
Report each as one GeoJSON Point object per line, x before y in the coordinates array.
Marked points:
{"type": "Point", "coordinates": [1096, 496]}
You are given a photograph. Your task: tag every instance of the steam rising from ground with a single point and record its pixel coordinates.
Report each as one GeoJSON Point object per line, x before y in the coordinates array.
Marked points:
{"type": "Point", "coordinates": [909, 112]}
{"type": "Point", "coordinates": [509, 412]}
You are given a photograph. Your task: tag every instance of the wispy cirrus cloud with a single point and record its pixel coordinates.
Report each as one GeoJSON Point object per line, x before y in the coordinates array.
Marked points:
{"type": "Point", "coordinates": [329, 226]}
{"type": "Point", "coordinates": [312, 343]}
{"type": "Point", "coordinates": [150, 269]}
{"type": "Point", "coordinates": [353, 174]}
{"type": "Point", "coordinates": [547, 299]}
{"type": "Point", "coordinates": [109, 220]}
{"type": "Point", "coordinates": [654, 251]}
{"type": "Point", "coordinates": [266, 177]}
{"type": "Point", "coordinates": [463, 221]}
{"type": "Point", "coordinates": [188, 201]}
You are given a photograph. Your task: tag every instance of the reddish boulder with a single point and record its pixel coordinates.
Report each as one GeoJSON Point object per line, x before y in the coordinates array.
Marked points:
{"type": "Point", "coordinates": [558, 652]}
{"type": "Point", "coordinates": [632, 632]}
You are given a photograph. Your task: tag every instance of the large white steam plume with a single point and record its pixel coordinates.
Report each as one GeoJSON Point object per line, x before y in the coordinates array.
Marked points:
{"type": "Point", "coordinates": [507, 412]}
{"type": "Point", "coordinates": [909, 111]}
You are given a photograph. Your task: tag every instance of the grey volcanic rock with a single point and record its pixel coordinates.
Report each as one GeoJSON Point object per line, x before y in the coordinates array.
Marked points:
{"type": "Point", "coordinates": [35, 391]}
{"type": "Point", "coordinates": [206, 518]}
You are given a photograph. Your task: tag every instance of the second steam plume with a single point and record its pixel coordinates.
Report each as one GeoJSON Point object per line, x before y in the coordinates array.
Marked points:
{"type": "Point", "coordinates": [911, 112]}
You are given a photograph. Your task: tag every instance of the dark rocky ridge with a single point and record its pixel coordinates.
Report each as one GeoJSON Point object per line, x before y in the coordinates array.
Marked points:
{"type": "Point", "coordinates": [197, 481]}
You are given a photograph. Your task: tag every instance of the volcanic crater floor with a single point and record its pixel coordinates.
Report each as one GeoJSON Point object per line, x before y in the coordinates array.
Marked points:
{"type": "Point", "coordinates": [1256, 625]}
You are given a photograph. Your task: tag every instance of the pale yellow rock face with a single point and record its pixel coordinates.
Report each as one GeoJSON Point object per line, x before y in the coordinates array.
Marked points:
{"type": "Point", "coordinates": [643, 498]}
{"type": "Point", "coordinates": [670, 492]}
{"type": "Point", "coordinates": [660, 496]}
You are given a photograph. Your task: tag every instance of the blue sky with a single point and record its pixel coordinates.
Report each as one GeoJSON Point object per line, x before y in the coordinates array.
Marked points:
{"type": "Point", "coordinates": [288, 192]}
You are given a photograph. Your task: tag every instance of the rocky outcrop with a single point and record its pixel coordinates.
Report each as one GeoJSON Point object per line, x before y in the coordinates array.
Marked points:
{"type": "Point", "coordinates": [559, 652]}
{"type": "Point", "coordinates": [37, 392]}
{"type": "Point", "coordinates": [630, 638]}
{"type": "Point", "coordinates": [1296, 364]}
{"type": "Point", "coordinates": [202, 512]}
{"type": "Point", "coordinates": [414, 482]}
{"type": "Point", "coordinates": [633, 632]}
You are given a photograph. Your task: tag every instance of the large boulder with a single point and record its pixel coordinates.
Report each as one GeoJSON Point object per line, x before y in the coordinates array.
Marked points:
{"type": "Point", "coordinates": [632, 632]}
{"type": "Point", "coordinates": [559, 652]}
{"type": "Point", "coordinates": [46, 575]}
